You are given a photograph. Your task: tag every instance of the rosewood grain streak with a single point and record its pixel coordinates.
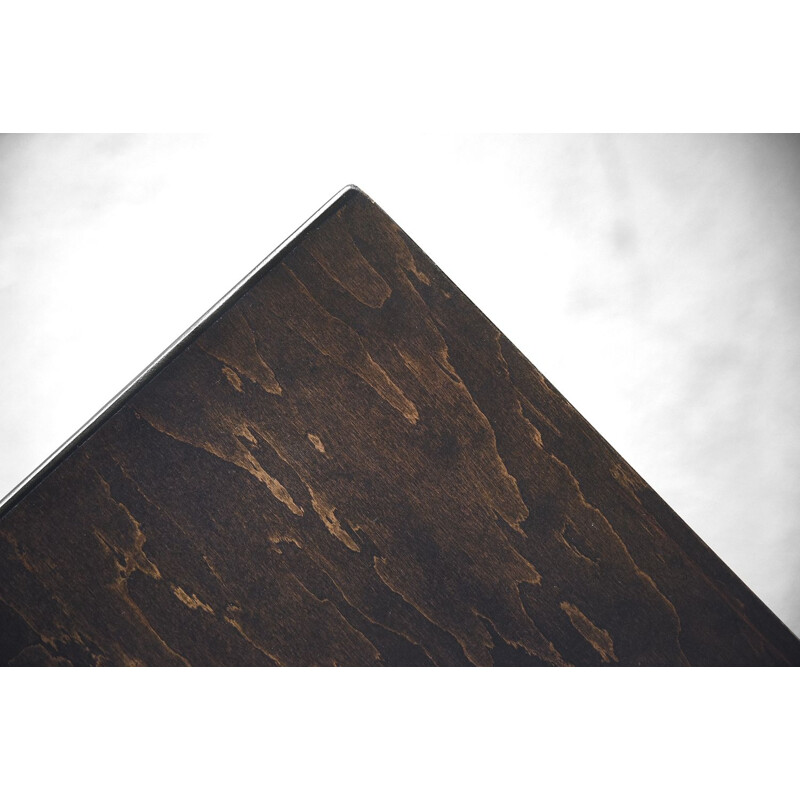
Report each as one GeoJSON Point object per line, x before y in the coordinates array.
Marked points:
{"type": "Point", "coordinates": [352, 465]}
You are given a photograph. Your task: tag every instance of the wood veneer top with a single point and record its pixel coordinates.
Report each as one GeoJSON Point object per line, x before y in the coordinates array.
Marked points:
{"type": "Point", "coordinates": [348, 463]}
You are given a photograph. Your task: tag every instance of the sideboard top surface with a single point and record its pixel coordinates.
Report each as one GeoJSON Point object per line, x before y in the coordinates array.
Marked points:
{"type": "Point", "coordinates": [348, 463]}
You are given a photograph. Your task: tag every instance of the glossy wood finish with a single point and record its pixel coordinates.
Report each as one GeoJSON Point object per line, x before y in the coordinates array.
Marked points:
{"type": "Point", "coordinates": [352, 465]}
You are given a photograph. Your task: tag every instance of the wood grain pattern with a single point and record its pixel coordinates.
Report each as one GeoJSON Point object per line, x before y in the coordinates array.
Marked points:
{"type": "Point", "coordinates": [352, 465]}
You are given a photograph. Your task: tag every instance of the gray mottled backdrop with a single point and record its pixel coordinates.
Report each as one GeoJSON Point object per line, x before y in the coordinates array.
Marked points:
{"type": "Point", "coordinates": [653, 279]}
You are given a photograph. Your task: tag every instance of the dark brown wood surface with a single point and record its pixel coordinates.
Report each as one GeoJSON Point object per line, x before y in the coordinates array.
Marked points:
{"type": "Point", "coordinates": [352, 465]}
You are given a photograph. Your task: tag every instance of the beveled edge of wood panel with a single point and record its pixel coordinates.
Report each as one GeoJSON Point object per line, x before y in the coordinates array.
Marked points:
{"type": "Point", "coordinates": [161, 361]}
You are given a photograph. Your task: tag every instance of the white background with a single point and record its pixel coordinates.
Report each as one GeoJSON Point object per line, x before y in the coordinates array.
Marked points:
{"type": "Point", "coordinates": [651, 280]}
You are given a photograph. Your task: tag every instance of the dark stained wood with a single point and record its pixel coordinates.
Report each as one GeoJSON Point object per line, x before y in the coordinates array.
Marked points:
{"type": "Point", "coordinates": [352, 465]}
